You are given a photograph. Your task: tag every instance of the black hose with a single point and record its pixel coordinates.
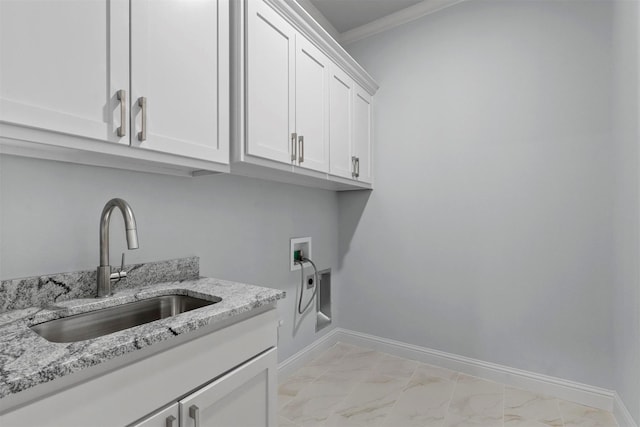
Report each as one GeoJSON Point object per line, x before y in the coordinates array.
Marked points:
{"type": "Point", "coordinates": [315, 281]}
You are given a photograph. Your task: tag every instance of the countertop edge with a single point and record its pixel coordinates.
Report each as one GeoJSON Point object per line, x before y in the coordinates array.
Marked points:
{"type": "Point", "coordinates": [241, 299]}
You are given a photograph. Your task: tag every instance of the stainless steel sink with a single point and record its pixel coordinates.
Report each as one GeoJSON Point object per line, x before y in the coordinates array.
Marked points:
{"type": "Point", "coordinates": [101, 322]}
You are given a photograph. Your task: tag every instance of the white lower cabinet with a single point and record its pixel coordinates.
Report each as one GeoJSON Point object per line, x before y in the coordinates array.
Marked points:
{"type": "Point", "coordinates": [225, 377]}
{"type": "Point", "coordinates": [167, 417]}
{"type": "Point", "coordinates": [245, 396]}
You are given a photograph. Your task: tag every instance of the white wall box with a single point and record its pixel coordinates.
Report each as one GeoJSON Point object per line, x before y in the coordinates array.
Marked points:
{"type": "Point", "coordinates": [224, 376]}
{"type": "Point", "coordinates": [74, 81]}
{"type": "Point", "coordinates": [283, 66]}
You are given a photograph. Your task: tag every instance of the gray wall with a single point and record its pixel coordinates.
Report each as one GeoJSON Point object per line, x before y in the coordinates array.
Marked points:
{"type": "Point", "coordinates": [489, 233]}
{"type": "Point", "coordinates": [239, 227]}
{"type": "Point", "coordinates": [626, 114]}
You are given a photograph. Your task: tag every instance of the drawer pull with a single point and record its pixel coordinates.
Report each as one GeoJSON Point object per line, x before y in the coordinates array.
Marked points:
{"type": "Point", "coordinates": [142, 103]}
{"type": "Point", "coordinates": [194, 413]}
{"type": "Point", "coordinates": [301, 141]}
{"type": "Point", "coordinates": [294, 137]}
{"type": "Point", "coordinates": [122, 97]}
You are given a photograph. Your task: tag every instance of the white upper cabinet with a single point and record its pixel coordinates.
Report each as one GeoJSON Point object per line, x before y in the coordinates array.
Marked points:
{"type": "Point", "coordinates": [362, 135]}
{"type": "Point", "coordinates": [270, 79]}
{"type": "Point", "coordinates": [177, 59]}
{"type": "Point", "coordinates": [312, 106]}
{"type": "Point", "coordinates": [62, 64]}
{"type": "Point", "coordinates": [147, 74]}
{"type": "Point", "coordinates": [287, 92]}
{"type": "Point", "coordinates": [350, 136]}
{"type": "Point", "coordinates": [341, 90]}
{"type": "Point", "coordinates": [301, 106]}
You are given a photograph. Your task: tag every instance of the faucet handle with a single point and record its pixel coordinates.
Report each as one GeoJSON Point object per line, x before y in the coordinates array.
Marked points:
{"type": "Point", "coordinates": [120, 274]}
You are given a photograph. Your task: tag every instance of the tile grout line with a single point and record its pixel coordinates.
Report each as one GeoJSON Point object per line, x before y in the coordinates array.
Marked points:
{"type": "Point", "coordinates": [453, 392]}
{"type": "Point", "coordinates": [504, 402]}
{"type": "Point", "coordinates": [331, 412]}
{"type": "Point", "coordinates": [314, 379]}
{"type": "Point", "coordinates": [347, 395]}
{"type": "Point", "coordinates": [403, 390]}
{"type": "Point", "coordinates": [559, 411]}
{"type": "Point", "coordinates": [364, 376]}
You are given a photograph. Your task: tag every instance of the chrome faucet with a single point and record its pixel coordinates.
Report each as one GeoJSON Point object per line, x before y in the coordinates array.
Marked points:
{"type": "Point", "coordinates": [105, 277]}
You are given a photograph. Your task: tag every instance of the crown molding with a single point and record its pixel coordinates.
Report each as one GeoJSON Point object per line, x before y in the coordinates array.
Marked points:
{"type": "Point", "coordinates": [302, 21]}
{"type": "Point", "coordinates": [396, 19]}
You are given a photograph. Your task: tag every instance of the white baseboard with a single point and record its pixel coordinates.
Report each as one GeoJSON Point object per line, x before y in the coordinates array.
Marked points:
{"type": "Point", "coordinates": [306, 355]}
{"type": "Point", "coordinates": [569, 390]}
{"type": "Point", "coordinates": [621, 412]}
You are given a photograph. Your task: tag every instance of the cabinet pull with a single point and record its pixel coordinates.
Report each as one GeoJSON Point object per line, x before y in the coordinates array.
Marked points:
{"type": "Point", "coordinates": [357, 167]}
{"type": "Point", "coordinates": [301, 141]}
{"type": "Point", "coordinates": [194, 413]}
{"type": "Point", "coordinates": [170, 420]}
{"type": "Point", "coordinates": [122, 97]}
{"type": "Point", "coordinates": [142, 103]}
{"type": "Point", "coordinates": [294, 137]}
{"type": "Point", "coordinates": [353, 166]}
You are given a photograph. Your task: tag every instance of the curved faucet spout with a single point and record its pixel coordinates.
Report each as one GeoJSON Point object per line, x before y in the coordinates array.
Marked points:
{"type": "Point", "coordinates": [104, 270]}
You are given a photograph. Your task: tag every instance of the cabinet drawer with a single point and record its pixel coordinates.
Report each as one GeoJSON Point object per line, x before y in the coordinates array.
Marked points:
{"type": "Point", "coordinates": [243, 397]}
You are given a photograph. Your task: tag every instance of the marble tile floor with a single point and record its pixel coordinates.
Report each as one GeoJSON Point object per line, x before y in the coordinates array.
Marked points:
{"type": "Point", "coordinates": [355, 386]}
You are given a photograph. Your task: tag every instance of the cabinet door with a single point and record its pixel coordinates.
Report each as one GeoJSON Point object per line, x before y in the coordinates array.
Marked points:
{"type": "Point", "coordinates": [312, 106]}
{"type": "Point", "coordinates": [62, 63]}
{"type": "Point", "coordinates": [167, 417]}
{"type": "Point", "coordinates": [179, 66]}
{"type": "Point", "coordinates": [362, 134]}
{"type": "Point", "coordinates": [270, 68]}
{"type": "Point", "coordinates": [245, 397]}
{"type": "Point", "coordinates": [340, 116]}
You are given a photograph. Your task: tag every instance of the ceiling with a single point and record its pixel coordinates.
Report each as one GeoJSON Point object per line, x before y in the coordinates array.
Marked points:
{"type": "Point", "coordinates": [346, 15]}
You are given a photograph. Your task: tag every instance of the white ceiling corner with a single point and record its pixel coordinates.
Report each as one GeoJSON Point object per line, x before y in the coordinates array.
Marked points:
{"type": "Point", "coordinates": [319, 17]}
{"type": "Point", "coordinates": [358, 19]}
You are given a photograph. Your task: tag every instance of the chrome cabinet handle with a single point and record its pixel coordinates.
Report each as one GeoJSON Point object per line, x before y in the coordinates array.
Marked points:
{"type": "Point", "coordinates": [294, 137]}
{"type": "Point", "coordinates": [357, 167]}
{"type": "Point", "coordinates": [122, 97]}
{"type": "Point", "coordinates": [170, 420]}
{"type": "Point", "coordinates": [194, 413]}
{"type": "Point", "coordinates": [353, 166]}
{"type": "Point", "coordinates": [142, 103]}
{"type": "Point", "coordinates": [301, 142]}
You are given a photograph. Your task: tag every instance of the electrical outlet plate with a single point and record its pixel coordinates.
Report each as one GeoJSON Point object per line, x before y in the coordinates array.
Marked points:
{"type": "Point", "coordinates": [310, 281]}
{"type": "Point", "coordinates": [297, 244]}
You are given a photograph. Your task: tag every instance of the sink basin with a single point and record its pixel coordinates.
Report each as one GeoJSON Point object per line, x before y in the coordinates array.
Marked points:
{"type": "Point", "coordinates": [97, 323]}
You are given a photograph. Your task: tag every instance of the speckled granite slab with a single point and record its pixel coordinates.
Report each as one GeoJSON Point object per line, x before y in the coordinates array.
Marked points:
{"type": "Point", "coordinates": [39, 291]}
{"type": "Point", "coordinates": [26, 359]}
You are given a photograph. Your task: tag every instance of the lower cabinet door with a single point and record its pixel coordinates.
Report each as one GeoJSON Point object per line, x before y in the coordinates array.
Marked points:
{"type": "Point", "coordinates": [244, 397]}
{"type": "Point", "coordinates": [167, 417]}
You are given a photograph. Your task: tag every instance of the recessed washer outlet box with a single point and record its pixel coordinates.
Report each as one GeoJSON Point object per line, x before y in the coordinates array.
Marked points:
{"type": "Point", "coordinates": [323, 299]}
{"type": "Point", "coordinates": [299, 244]}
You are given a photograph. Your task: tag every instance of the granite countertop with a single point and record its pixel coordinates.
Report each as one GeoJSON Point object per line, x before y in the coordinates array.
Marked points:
{"type": "Point", "coordinates": [27, 359]}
